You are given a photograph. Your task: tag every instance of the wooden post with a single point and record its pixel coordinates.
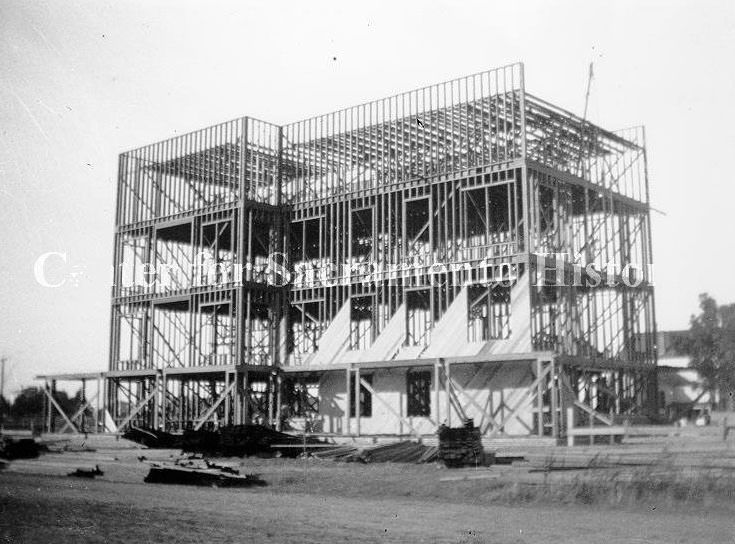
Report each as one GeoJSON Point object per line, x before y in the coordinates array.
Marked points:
{"type": "Point", "coordinates": [238, 397]}
{"type": "Point", "coordinates": [227, 398]}
{"type": "Point", "coordinates": [357, 400]}
{"type": "Point", "coordinates": [540, 398]}
{"type": "Point", "coordinates": [51, 408]}
{"type": "Point", "coordinates": [100, 403]}
{"type": "Point", "coordinates": [591, 414]}
{"type": "Point", "coordinates": [554, 393]}
{"type": "Point", "coordinates": [245, 399]}
{"type": "Point", "coordinates": [279, 386]}
{"type": "Point", "coordinates": [164, 401]}
{"type": "Point", "coordinates": [436, 394]}
{"type": "Point", "coordinates": [447, 394]}
{"type": "Point", "coordinates": [570, 426]}
{"type": "Point", "coordinates": [346, 429]}
{"type": "Point", "coordinates": [271, 399]}
{"type": "Point", "coordinates": [156, 406]}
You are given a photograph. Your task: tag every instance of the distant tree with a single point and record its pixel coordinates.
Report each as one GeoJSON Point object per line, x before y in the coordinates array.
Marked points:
{"type": "Point", "coordinates": [31, 401]}
{"type": "Point", "coordinates": [711, 346]}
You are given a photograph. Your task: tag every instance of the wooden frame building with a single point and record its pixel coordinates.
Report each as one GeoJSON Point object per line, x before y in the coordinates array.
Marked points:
{"type": "Point", "coordinates": [464, 250]}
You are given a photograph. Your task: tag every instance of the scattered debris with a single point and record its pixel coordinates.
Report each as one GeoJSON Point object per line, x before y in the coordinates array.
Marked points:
{"type": "Point", "coordinates": [212, 478]}
{"type": "Point", "coordinates": [200, 441]}
{"type": "Point", "coordinates": [192, 462]}
{"type": "Point", "coordinates": [227, 469]}
{"type": "Point", "coordinates": [152, 438]}
{"type": "Point", "coordinates": [68, 448]}
{"type": "Point", "coordinates": [87, 473]}
{"type": "Point", "coordinates": [233, 440]}
{"type": "Point", "coordinates": [22, 448]}
{"type": "Point", "coordinates": [258, 439]}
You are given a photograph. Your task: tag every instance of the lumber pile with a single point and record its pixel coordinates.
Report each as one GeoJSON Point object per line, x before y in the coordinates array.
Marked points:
{"type": "Point", "coordinates": [257, 439]}
{"type": "Point", "coordinates": [153, 438]}
{"type": "Point", "coordinates": [200, 477]}
{"type": "Point", "coordinates": [459, 446]}
{"type": "Point", "coordinates": [396, 452]}
{"type": "Point", "coordinates": [23, 448]}
{"type": "Point", "coordinates": [200, 441]}
{"type": "Point", "coordinates": [338, 453]}
{"type": "Point", "coordinates": [233, 440]}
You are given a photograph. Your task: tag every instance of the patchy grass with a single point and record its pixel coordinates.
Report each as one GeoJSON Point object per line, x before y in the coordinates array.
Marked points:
{"type": "Point", "coordinates": [630, 488]}
{"type": "Point", "coordinates": [51, 509]}
{"type": "Point", "coordinates": [673, 487]}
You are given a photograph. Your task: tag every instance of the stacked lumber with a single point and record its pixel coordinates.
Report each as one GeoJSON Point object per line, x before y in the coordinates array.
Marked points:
{"type": "Point", "coordinates": [431, 454]}
{"type": "Point", "coordinates": [396, 452]}
{"type": "Point", "coordinates": [200, 441]}
{"type": "Point", "coordinates": [206, 477]}
{"type": "Point", "coordinates": [255, 439]}
{"type": "Point", "coordinates": [460, 446]}
{"type": "Point", "coordinates": [233, 440]}
{"type": "Point", "coordinates": [153, 438]}
{"type": "Point", "coordinates": [338, 453]}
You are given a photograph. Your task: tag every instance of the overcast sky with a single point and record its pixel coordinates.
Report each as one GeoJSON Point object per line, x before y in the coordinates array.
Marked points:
{"type": "Point", "coordinates": [82, 81]}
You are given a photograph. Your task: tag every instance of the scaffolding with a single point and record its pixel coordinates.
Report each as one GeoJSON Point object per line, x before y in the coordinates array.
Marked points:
{"type": "Point", "coordinates": [252, 259]}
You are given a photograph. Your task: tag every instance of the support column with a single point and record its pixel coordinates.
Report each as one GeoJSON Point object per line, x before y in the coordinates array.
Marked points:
{"type": "Point", "coordinates": [51, 408]}
{"type": "Point", "coordinates": [436, 393]}
{"type": "Point", "coordinates": [279, 386]}
{"type": "Point", "coordinates": [227, 398]}
{"type": "Point", "coordinates": [447, 393]}
{"type": "Point", "coordinates": [271, 399]}
{"type": "Point", "coordinates": [554, 394]}
{"type": "Point", "coordinates": [48, 408]}
{"type": "Point", "coordinates": [357, 400]}
{"type": "Point", "coordinates": [237, 398]}
{"type": "Point", "coordinates": [246, 398]}
{"type": "Point", "coordinates": [100, 414]}
{"type": "Point", "coordinates": [540, 398]}
{"type": "Point", "coordinates": [156, 404]}
{"type": "Point", "coordinates": [164, 401]}
{"type": "Point", "coordinates": [346, 429]}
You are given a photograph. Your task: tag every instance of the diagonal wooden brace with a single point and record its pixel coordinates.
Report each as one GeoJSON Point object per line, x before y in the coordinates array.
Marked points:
{"type": "Point", "coordinates": [369, 387]}
{"type": "Point", "coordinates": [530, 390]}
{"type": "Point", "coordinates": [58, 409]}
{"type": "Point", "coordinates": [138, 408]}
{"type": "Point", "coordinates": [214, 407]}
{"type": "Point", "coordinates": [85, 404]}
{"type": "Point", "coordinates": [592, 412]}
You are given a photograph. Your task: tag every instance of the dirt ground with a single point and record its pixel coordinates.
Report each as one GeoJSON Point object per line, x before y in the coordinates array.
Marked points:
{"type": "Point", "coordinates": [319, 501]}
{"type": "Point", "coordinates": [37, 509]}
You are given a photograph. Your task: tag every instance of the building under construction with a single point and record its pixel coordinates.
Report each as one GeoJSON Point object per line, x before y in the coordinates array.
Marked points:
{"type": "Point", "coordinates": [464, 250]}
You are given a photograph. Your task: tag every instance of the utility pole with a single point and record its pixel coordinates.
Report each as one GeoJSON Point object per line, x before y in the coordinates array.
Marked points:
{"type": "Point", "coordinates": [2, 391]}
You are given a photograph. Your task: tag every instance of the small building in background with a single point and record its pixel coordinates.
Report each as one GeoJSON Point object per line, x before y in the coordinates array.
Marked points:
{"type": "Point", "coordinates": [681, 390]}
